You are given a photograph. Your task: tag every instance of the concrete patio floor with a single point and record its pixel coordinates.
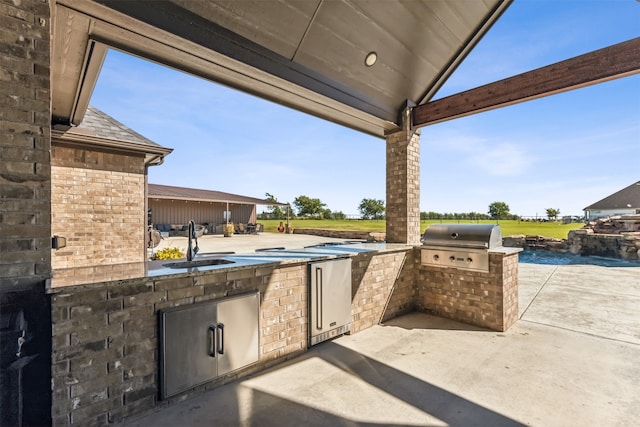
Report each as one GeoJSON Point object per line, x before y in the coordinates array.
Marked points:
{"type": "Point", "coordinates": [571, 360]}
{"type": "Point", "coordinates": [244, 243]}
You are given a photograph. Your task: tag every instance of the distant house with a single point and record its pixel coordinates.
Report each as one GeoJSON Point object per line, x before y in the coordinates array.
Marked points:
{"type": "Point", "coordinates": [623, 202]}
{"type": "Point", "coordinates": [170, 205]}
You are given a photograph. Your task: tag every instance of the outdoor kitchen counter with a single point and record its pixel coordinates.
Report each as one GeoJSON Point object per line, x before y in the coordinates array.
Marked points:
{"type": "Point", "coordinates": [133, 273]}
{"type": "Point", "coordinates": [505, 250]}
{"type": "Point", "coordinates": [106, 342]}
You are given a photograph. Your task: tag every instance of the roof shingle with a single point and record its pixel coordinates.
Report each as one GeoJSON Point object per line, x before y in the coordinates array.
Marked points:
{"type": "Point", "coordinates": [99, 124]}
{"type": "Point", "coordinates": [628, 197]}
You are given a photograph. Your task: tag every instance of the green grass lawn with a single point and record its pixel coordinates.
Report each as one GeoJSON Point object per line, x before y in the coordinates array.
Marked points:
{"type": "Point", "coordinates": [508, 227]}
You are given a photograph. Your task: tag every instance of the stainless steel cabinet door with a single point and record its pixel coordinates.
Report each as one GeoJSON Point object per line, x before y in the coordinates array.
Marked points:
{"type": "Point", "coordinates": [238, 332]}
{"type": "Point", "coordinates": [186, 358]}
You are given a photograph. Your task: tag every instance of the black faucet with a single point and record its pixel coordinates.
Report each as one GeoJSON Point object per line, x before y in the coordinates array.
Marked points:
{"type": "Point", "coordinates": [192, 235]}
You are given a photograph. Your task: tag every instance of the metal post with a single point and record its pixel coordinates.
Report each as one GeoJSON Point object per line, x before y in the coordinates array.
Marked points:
{"type": "Point", "coordinates": [288, 206]}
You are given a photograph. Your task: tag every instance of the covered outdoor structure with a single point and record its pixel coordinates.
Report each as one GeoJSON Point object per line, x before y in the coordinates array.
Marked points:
{"type": "Point", "coordinates": [371, 66]}
{"type": "Point", "coordinates": [178, 205]}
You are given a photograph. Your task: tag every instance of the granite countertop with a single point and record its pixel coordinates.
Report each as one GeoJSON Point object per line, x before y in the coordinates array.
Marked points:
{"type": "Point", "coordinates": [505, 250]}
{"type": "Point", "coordinates": [158, 269]}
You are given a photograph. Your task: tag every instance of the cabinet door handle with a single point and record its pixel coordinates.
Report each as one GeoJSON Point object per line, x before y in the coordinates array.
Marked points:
{"type": "Point", "coordinates": [221, 340]}
{"type": "Point", "coordinates": [318, 298]}
{"type": "Point", "coordinates": [212, 340]}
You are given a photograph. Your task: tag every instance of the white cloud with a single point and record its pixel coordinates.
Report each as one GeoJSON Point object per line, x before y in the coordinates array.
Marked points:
{"type": "Point", "coordinates": [482, 155]}
{"type": "Point", "coordinates": [506, 159]}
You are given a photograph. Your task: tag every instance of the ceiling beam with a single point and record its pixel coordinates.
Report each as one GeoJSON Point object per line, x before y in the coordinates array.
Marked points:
{"type": "Point", "coordinates": [599, 66]}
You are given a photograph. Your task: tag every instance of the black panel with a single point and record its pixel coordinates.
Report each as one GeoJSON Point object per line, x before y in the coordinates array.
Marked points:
{"type": "Point", "coordinates": [25, 357]}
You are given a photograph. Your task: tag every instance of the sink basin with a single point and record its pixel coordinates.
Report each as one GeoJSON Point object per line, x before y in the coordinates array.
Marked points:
{"type": "Point", "coordinates": [197, 263]}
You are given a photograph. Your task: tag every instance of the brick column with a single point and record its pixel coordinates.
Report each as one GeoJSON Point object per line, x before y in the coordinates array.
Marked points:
{"type": "Point", "coordinates": [25, 212]}
{"type": "Point", "coordinates": [25, 141]}
{"type": "Point", "coordinates": [403, 184]}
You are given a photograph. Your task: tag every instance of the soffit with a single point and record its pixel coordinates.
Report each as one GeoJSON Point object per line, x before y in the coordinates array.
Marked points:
{"type": "Point", "coordinates": [307, 54]}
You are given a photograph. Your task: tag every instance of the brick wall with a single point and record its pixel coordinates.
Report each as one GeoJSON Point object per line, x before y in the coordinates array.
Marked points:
{"type": "Point", "coordinates": [484, 299]}
{"type": "Point", "coordinates": [403, 186]}
{"type": "Point", "coordinates": [105, 343]}
{"type": "Point", "coordinates": [24, 144]}
{"type": "Point", "coordinates": [25, 213]}
{"type": "Point", "coordinates": [382, 287]}
{"type": "Point", "coordinates": [98, 204]}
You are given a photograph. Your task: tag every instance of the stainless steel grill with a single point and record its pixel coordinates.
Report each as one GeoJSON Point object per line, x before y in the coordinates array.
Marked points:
{"type": "Point", "coordinates": [464, 246]}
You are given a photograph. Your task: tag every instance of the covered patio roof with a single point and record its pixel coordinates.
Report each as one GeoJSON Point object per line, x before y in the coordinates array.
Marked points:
{"type": "Point", "coordinates": [354, 62]}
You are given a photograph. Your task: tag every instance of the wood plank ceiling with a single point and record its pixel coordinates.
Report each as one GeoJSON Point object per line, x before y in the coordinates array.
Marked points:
{"type": "Point", "coordinates": [307, 54]}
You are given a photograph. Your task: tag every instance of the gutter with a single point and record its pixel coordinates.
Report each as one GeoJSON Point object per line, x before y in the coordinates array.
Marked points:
{"type": "Point", "coordinates": [156, 153]}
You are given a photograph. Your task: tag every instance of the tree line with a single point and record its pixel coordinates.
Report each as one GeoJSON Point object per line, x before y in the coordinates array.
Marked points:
{"type": "Point", "coordinates": [313, 208]}
{"type": "Point", "coordinates": [307, 207]}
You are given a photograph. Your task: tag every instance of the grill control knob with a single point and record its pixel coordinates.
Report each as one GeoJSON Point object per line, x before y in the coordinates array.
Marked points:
{"type": "Point", "coordinates": [452, 258]}
{"type": "Point", "coordinates": [436, 257]}
{"type": "Point", "coordinates": [469, 260]}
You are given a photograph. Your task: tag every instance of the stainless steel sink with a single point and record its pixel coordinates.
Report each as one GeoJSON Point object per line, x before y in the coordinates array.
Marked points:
{"type": "Point", "coordinates": [197, 263]}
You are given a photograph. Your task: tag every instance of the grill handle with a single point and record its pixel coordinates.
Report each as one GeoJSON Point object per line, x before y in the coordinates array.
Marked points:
{"type": "Point", "coordinates": [459, 244]}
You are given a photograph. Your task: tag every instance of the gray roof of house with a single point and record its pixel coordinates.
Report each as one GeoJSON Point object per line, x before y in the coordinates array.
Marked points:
{"type": "Point", "coordinates": [98, 129]}
{"type": "Point", "coordinates": [102, 125]}
{"type": "Point", "coordinates": [628, 197]}
{"type": "Point", "coordinates": [182, 193]}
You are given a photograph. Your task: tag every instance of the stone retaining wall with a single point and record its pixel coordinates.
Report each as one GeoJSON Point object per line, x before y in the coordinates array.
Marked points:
{"type": "Point", "coordinates": [615, 237]}
{"type": "Point", "coordinates": [369, 236]}
{"type": "Point", "coordinates": [586, 242]}
{"type": "Point", "coordinates": [615, 224]}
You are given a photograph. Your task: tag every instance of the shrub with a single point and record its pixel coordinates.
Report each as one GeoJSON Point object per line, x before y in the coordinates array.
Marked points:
{"type": "Point", "coordinates": [168, 253]}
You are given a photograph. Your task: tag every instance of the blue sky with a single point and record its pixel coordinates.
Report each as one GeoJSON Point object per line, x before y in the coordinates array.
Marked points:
{"type": "Point", "coordinates": [565, 151]}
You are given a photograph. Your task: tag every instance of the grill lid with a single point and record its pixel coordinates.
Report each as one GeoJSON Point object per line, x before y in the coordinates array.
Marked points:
{"type": "Point", "coordinates": [479, 236]}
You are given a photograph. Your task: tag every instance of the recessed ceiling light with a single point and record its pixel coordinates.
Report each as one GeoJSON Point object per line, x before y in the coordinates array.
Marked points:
{"type": "Point", "coordinates": [370, 59]}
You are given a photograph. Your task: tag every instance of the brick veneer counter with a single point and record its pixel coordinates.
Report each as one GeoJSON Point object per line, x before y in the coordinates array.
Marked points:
{"type": "Point", "coordinates": [105, 335]}
{"type": "Point", "coordinates": [483, 298]}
